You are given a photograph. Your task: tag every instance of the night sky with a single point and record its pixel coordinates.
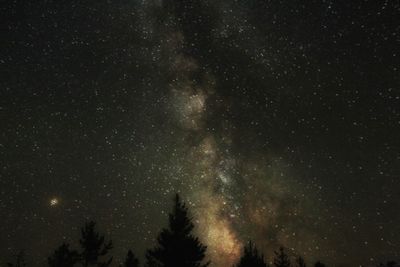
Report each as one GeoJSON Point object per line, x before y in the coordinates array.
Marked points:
{"type": "Point", "coordinates": [277, 122]}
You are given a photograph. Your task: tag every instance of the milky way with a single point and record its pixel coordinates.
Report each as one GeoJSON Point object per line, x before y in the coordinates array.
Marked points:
{"type": "Point", "coordinates": [225, 191]}
{"type": "Point", "coordinates": [220, 204]}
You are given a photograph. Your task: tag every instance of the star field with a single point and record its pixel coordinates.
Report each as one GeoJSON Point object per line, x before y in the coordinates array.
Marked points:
{"type": "Point", "coordinates": [277, 122]}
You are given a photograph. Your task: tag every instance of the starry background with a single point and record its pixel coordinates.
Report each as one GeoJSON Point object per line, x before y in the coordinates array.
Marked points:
{"type": "Point", "coordinates": [277, 121]}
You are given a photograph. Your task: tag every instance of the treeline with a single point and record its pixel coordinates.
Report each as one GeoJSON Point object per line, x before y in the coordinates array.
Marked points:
{"type": "Point", "coordinates": [176, 247]}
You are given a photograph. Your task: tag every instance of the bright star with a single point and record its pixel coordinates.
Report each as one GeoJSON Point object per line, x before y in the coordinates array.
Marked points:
{"type": "Point", "coordinates": [54, 202]}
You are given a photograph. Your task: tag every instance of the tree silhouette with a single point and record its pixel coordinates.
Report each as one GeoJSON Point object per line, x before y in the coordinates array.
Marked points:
{"type": "Point", "coordinates": [63, 257]}
{"type": "Point", "coordinates": [19, 260]}
{"type": "Point", "coordinates": [131, 260]}
{"type": "Point", "coordinates": [93, 246]}
{"type": "Point", "coordinates": [300, 262]}
{"type": "Point", "coordinates": [251, 257]}
{"type": "Point", "coordinates": [177, 247]}
{"type": "Point", "coordinates": [281, 258]}
{"type": "Point", "coordinates": [319, 264]}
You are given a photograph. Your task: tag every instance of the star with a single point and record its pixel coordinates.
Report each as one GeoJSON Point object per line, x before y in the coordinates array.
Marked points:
{"type": "Point", "coordinates": [54, 202]}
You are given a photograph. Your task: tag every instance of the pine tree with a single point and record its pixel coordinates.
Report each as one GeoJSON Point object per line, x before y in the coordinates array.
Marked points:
{"type": "Point", "coordinates": [300, 262]}
{"type": "Point", "coordinates": [177, 247]}
{"type": "Point", "coordinates": [319, 264]}
{"type": "Point", "coordinates": [63, 257]}
{"type": "Point", "coordinates": [251, 257]}
{"type": "Point", "coordinates": [281, 258]}
{"type": "Point", "coordinates": [131, 260]}
{"type": "Point", "coordinates": [94, 246]}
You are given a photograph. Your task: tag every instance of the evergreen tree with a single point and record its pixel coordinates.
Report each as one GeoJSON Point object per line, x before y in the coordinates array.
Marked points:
{"type": "Point", "coordinates": [94, 246]}
{"type": "Point", "coordinates": [131, 260]}
{"type": "Point", "coordinates": [251, 257]}
{"type": "Point", "coordinates": [177, 247]}
{"type": "Point", "coordinates": [300, 262]}
{"type": "Point", "coordinates": [281, 258]}
{"type": "Point", "coordinates": [319, 264]}
{"type": "Point", "coordinates": [63, 257]}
